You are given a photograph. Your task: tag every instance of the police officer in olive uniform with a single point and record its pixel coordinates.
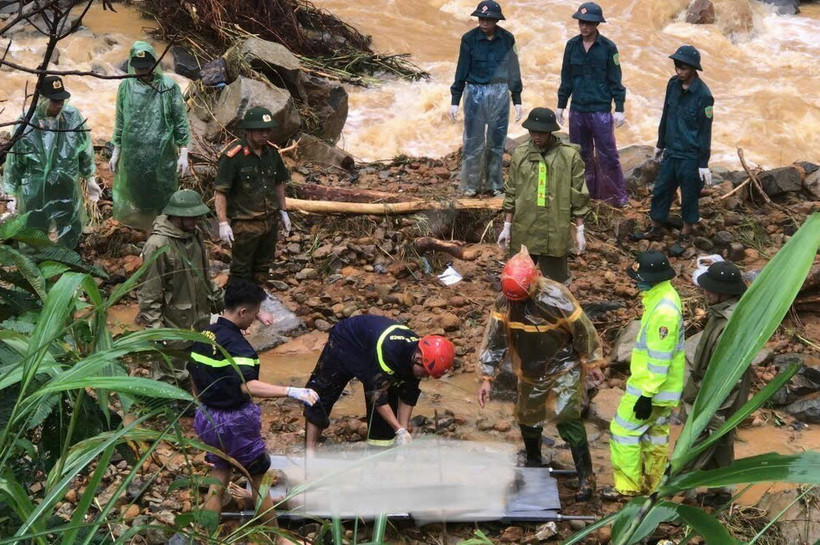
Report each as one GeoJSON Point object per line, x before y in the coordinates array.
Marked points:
{"type": "Point", "coordinates": [250, 190]}
{"type": "Point", "coordinates": [685, 143]}
{"type": "Point", "coordinates": [591, 74]}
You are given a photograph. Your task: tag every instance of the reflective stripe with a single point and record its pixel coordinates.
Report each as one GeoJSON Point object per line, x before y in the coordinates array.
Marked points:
{"type": "Point", "coordinates": [626, 440]}
{"type": "Point", "coordinates": [641, 344]}
{"type": "Point", "coordinates": [381, 442]}
{"type": "Point", "coordinates": [631, 426]}
{"type": "Point", "coordinates": [655, 439]}
{"type": "Point", "coordinates": [659, 355]}
{"type": "Point", "coordinates": [379, 343]}
{"type": "Point", "coordinates": [667, 396]}
{"type": "Point", "coordinates": [634, 391]}
{"type": "Point", "coordinates": [542, 184]}
{"type": "Point", "coordinates": [658, 369]}
{"type": "Point", "coordinates": [210, 362]}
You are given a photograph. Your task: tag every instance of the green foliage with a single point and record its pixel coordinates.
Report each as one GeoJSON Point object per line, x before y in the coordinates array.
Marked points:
{"type": "Point", "coordinates": [757, 316]}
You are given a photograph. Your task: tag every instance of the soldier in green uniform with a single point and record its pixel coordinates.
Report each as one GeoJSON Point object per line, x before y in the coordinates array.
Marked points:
{"type": "Point", "coordinates": [177, 290]}
{"type": "Point", "coordinates": [250, 197]}
{"type": "Point", "coordinates": [545, 191]}
{"type": "Point", "coordinates": [723, 286]}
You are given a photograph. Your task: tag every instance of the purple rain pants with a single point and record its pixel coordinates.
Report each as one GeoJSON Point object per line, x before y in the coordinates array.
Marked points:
{"type": "Point", "coordinates": [595, 133]}
{"type": "Point", "coordinates": [237, 433]}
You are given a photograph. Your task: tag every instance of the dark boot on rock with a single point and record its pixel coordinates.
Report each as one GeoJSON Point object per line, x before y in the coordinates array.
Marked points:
{"type": "Point", "coordinates": [583, 466]}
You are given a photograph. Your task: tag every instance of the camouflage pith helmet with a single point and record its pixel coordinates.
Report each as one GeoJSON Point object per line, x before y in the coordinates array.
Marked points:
{"type": "Point", "coordinates": [186, 203]}
{"type": "Point", "coordinates": [258, 118]}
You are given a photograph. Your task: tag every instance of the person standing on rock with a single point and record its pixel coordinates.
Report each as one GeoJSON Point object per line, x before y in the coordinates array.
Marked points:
{"type": "Point", "coordinates": [44, 168]}
{"type": "Point", "coordinates": [390, 360]}
{"type": "Point", "coordinates": [151, 136]}
{"type": "Point", "coordinates": [639, 443]}
{"type": "Point", "coordinates": [176, 289]}
{"type": "Point", "coordinates": [486, 73]}
{"type": "Point", "coordinates": [545, 191]}
{"type": "Point", "coordinates": [723, 287]}
{"type": "Point", "coordinates": [540, 328]}
{"type": "Point", "coordinates": [591, 75]}
{"type": "Point", "coordinates": [685, 143]}
{"type": "Point", "coordinates": [250, 198]}
{"type": "Point", "coordinates": [228, 419]}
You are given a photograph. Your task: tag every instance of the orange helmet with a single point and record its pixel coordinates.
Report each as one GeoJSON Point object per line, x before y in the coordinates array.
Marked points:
{"type": "Point", "coordinates": [518, 276]}
{"type": "Point", "coordinates": [437, 354]}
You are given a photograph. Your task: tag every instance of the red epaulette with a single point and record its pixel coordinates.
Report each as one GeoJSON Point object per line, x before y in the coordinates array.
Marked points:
{"type": "Point", "coordinates": [247, 151]}
{"type": "Point", "coordinates": [231, 149]}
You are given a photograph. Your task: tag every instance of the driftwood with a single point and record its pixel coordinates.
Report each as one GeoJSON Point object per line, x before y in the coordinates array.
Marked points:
{"type": "Point", "coordinates": [316, 192]}
{"type": "Point", "coordinates": [752, 176]}
{"type": "Point", "coordinates": [387, 209]}
{"type": "Point", "coordinates": [454, 248]}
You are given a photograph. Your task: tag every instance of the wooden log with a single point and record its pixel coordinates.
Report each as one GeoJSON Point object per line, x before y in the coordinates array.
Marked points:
{"type": "Point", "coordinates": [387, 209]}
{"type": "Point", "coordinates": [316, 192]}
{"type": "Point", "coordinates": [454, 248]}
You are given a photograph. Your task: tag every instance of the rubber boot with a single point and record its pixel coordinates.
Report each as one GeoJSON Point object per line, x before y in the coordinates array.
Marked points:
{"type": "Point", "coordinates": [583, 466]}
{"type": "Point", "coordinates": [532, 444]}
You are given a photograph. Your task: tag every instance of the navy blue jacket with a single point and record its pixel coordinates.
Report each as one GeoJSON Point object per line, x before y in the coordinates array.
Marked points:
{"type": "Point", "coordinates": [685, 131]}
{"type": "Point", "coordinates": [592, 78]}
{"type": "Point", "coordinates": [484, 61]}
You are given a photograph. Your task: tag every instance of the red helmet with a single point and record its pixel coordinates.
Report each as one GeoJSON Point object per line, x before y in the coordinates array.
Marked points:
{"type": "Point", "coordinates": [437, 354]}
{"type": "Point", "coordinates": [518, 276]}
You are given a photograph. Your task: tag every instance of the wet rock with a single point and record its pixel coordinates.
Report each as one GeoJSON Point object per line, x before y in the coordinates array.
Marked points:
{"type": "Point", "coordinates": [484, 424]}
{"type": "Point", "coordinates": [284, 322]}
{"type": "Point", "coordinates": [185, 64]}
{"type": "Point", "coordinates": [811, 185]}
{"type": "Point", "coordinates": [807, 409]}
{"type": "Point", "coordinates": [131, 512]}
{"type": "Point", "coordinates": [328, 102]}
{"type": "Point", "coordinates": [245, 93]}
{"type": "Point", "coordinates": [274, 60]}
{"type": "Point", "coordinates": [784, 7]}
{"type": "Point", "coordinates": [781, 180]}
{"type": "Point", "coordinates": [322, 325]}
{"type": "Point", "coordinates": [703, 244]}
{"type": "Point", "coordinates": [502, 425]}
{"type": "Point", "coordinates": [603, 406]}
{"type": "Point", "coordinates": [512, 534]}
{"type": "Point", "coordinates": [316, 150]}
{"type": "Point", "coordinates": [622, 351]}
{"type": "Point", "coordinates": [762, 357]}
{"type": "Point", "coordinates": [435, 302]}
{"type": "Point", "coordinates": [449, 321]}
{"type": "Point", "coordinates": [736, 252]}
{"type": "Point", "coordinates": [722, 239]}
{"type": "Point", "coordinates": [798, 522]}
{"type": "Point", "coordinates": [624, 228]}
{"type": "Point", "coordinates": [307, 274]}
{"type": "Point", "coordinates": [638, 166]}
{"type": "Point", "coordinates": [214, 73]}
{"type": "Point", "coordinates": [700, 12]}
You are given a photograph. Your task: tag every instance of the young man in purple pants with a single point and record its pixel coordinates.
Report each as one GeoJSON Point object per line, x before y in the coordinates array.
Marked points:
{"type": "Point", "coordinates": [591, 74]}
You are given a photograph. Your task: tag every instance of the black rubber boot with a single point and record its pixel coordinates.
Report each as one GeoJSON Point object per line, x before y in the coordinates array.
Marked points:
{"type": "Point", "coordinates": [679, 247]}
{"type": "Point", "coordinates": [532, 444]}
{"type": "Point", "coordinates": [583, 466]}
{"type": "Point", "coordinates": [654, 233]}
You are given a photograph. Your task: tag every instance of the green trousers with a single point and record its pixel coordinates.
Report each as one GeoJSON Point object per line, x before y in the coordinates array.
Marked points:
{"type": "Point", "coordinates": [253, 248]}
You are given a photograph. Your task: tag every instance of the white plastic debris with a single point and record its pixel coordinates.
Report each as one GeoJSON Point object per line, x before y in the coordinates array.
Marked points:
{"type": "Point", "coordinates": [450, 276]}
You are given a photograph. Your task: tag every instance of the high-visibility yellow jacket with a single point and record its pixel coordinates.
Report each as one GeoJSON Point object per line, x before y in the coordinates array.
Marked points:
{"type": "Point", "coordinates": [658, 359]}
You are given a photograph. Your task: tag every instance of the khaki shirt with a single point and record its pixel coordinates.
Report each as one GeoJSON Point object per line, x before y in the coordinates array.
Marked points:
{"type": "Point", "coordinates": [545, 230]}
{"type": "Point", "coordinates": [249, 180]}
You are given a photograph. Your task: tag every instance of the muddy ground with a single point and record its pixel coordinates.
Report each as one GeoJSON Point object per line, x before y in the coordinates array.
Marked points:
{"type": "Point", "coordinates": [332, 267]}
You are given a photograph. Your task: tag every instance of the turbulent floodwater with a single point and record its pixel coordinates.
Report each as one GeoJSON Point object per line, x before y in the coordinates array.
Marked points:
{"type": "Point", "coordinates": [763, 71]}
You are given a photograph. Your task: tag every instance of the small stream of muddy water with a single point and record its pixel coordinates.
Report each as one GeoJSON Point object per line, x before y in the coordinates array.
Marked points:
{"type": "Point", "coordinates": [290, 364]}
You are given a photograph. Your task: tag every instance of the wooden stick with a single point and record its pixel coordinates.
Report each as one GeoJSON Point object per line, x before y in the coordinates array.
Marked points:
{"type": "Point", "coordinates": [387, 209]}
{"type": "Point", "coordinates": [454, 248]}
{"type": "Point", "coordinates": [753, 177]}
{"type": "Point", "coordinates": [735, 190]}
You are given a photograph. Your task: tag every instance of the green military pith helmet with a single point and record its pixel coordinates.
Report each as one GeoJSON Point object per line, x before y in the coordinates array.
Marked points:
{"type": "Point", "coordinates": [186, 203]}
{"type": "Point", "coordinates": [258, 118]}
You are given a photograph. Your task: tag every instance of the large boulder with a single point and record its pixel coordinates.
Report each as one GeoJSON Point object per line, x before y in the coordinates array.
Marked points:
{"type": "Point", "coordinates": [328, 103]}
{"type": "Point", "coordinates": [784, 7]}
{"type": "Point", "coordinates": [622, 351]}
{"type": "Point", "coordinates": [274, 60]}
{"type": "Point", "coordinates": [700, 12]}
{"type": "Point", "coordinates": [284, 323]}
{"type": "Point", "coordinates": [781, 180]}
{"type": "Point", "coordinates": [798, 521]}
{"type": "Point", "coordinates": [638, 166]}
{"type": "Point", "coordinates": [245, 93]}
{"type": "Point", "coordinates": [811, 185]}
{"type": "Point", "coordinates": [185, 64]}
{"type": "Point", "coordinates": [604, 405]}
{"type": "Point", "coordinates": [318, 151]}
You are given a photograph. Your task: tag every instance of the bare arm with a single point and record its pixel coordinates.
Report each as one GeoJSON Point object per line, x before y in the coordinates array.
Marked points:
{"type": "Point", "coordinates": [387, 413]}
{"type": "Point", "coordinates": [280, 196]}
{"type": "Point", "coordinates": [257, 388]}
{"type": "Point", "coordinates": [405, 412]}
{"type": "Point", "coordinates": [221, 205]}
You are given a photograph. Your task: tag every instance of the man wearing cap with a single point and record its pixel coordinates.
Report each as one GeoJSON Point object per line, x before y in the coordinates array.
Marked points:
{"type": "Point", "coordinates": [177, 290]}
{"type": "Point", "coordinates": [545, 191]}
{"type": "Point", "coordinates": [723, 286]}
{"type": "Point", "coordinates": [640, 429]}
{"type": "Point", "coordinates": [591, 75]}
{"type": "Point", "coordinates": [44, 169]}
{"type": "Point", "coordinates": [150, 140]}
{"type": "Point", "coordinates": [250, 192]}
{"type": "Point", "coordinates": [539, 327]}
{"type": "Point", "coordinates": [486, 73]}
{"type": "Point", "coordinates": [684, 142]}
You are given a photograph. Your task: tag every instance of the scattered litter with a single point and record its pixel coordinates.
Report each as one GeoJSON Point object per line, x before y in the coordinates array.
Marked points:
{"type": "Point", "coordinates": [450, 276]}
{"type": "Point", "coordinates": [704, 262]}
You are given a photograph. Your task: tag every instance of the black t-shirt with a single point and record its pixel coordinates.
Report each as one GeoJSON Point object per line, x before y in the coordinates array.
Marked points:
{"type": "Point", "coordinates": [216, 380]}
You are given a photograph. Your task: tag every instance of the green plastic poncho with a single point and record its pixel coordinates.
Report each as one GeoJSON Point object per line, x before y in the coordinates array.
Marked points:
{"type": "Point", "coordinates": [150, 127]}
{"type": "Point", "coordinates": [44, 168]}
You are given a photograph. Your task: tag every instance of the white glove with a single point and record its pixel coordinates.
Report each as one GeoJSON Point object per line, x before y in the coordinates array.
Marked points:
{"type": "Point", "coordinates": [519, 111]}
{"type": "Point", "coordinates": [658, 153]}
{"type": "Point", "coordinates": [504, 237]}
{"type": "Point", "coordinates": [559, 116]}
{"type": "Point", "coordinates": [305, 395]}
{"type": "Point", "coordinates": [11, 205]}
{"type": "Point", "coordinates": [285, 221]}
{"type": "Point", "coordinates": [705, 175]}
{"type": "Point", "coordinates": [580, 238]}
{"type": "Point", "coordinates": [226, 233]}
{"type": "Point", "coordinates": [619, 118]}
{"type": "Point", "coordinates": [182, 163]}
{"type": "Point", "coordinates": [94, 190]}
{"type": "Point", "coordinates": [115, 158]}
{"type": "Point", "coordinates": [454, 112]}
{"type": "Point", "coordinates": [403, 436]}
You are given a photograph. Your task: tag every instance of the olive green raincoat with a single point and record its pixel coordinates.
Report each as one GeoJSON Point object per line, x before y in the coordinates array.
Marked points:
{"type": "Point", "coordinates": [544, 227]}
